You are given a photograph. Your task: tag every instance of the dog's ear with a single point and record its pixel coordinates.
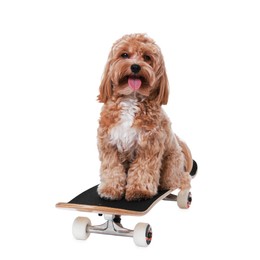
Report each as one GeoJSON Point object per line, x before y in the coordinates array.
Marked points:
{"type": "Point", "coordinates": [105, 89]}
{"type": "Point", "coordinates": [163, 88]}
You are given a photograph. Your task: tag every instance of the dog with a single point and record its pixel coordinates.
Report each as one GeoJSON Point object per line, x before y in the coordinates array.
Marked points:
{"type": "Point", "coordinates": [138, 151]}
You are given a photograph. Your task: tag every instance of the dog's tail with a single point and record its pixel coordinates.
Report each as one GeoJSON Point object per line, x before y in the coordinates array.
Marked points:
{"type": "Point", "coordinates": [187, 154]}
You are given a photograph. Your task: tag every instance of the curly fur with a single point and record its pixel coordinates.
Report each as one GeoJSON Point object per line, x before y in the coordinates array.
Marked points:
{"type": "Point", "coordinates": [139, 153]}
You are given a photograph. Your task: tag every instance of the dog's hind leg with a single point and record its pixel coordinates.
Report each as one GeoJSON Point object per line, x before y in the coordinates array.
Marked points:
{"type": "Point", "coordinates": [175, 167]}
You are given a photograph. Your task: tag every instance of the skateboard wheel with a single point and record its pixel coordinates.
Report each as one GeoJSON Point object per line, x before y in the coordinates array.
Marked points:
{"type": "Point", "coordinates": [142, 234]}
{"type": "Point", "coordinates": [184, 199]}
{"type": "Point", "coordinates": [80, 228]}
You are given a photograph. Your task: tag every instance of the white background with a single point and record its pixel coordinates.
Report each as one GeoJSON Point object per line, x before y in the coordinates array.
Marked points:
{"type": "Point", "coordinates": [52, 55]}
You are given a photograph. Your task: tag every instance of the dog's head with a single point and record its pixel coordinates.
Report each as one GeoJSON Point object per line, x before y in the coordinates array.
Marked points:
{"type": "Point", "coordinates": [135, 65]}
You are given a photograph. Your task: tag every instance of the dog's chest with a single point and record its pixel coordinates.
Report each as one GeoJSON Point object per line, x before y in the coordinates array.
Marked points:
{"type": "Point", "coordinates": [123, 134]}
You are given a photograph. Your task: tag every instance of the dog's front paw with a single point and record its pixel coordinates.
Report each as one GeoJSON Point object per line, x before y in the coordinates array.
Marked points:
{"type": "Point", "coordinates": [136, 193]}
{"type": "Point", "coordinates": [110, 192]}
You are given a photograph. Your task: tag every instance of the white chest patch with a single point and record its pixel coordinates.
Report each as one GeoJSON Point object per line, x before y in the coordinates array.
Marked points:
{"type": "Point", "coordinates": [123, 135]}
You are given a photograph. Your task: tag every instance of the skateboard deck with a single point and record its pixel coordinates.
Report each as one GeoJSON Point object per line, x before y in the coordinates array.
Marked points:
{"type": "Point", "coordinates": [89, 201]}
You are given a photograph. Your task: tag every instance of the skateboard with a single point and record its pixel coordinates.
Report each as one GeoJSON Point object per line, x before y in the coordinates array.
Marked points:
{"type": "Point", "coordinates": [112, 210]}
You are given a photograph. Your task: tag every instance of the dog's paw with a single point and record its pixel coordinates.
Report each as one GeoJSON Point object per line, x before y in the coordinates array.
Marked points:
{"type": "Point", "coordinates": [139, 194]}
{"type": "Point", "coordinates": [110, 192]}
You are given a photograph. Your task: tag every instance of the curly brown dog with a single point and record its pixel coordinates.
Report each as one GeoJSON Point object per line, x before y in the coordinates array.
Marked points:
{"type": "Point", "coordinates": [139, 153]}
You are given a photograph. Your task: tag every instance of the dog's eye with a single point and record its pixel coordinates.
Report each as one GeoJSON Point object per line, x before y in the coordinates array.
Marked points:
{"type": "Point", "coordinates": [124, 55]}
{"type": "Point", "coordinates": [147, 58]}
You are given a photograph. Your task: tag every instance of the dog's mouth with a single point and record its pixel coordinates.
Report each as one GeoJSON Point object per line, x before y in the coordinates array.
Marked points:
{"type": "Point", "coordinates": [133, 81]}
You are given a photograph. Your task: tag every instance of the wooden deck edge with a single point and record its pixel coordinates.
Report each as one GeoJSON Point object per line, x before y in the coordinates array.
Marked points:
{"type": "Point", "coordinates": [98, 209]}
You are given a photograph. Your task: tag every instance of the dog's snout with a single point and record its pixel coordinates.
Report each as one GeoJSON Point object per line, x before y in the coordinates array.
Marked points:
{"type": "Point", "coordinates": [135, 68]}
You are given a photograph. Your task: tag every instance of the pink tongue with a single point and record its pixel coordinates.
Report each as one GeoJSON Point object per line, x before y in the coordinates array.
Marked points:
{"type": "Point", "coordinates": [134, 83]}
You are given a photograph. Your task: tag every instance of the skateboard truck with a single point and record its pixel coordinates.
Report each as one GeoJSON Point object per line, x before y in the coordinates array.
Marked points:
{"type": "Point", "coordinates": [82, 228]}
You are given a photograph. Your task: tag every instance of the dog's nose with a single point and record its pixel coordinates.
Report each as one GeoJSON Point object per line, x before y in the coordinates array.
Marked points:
{"type": "Point", "coordinates": [135, 68]}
